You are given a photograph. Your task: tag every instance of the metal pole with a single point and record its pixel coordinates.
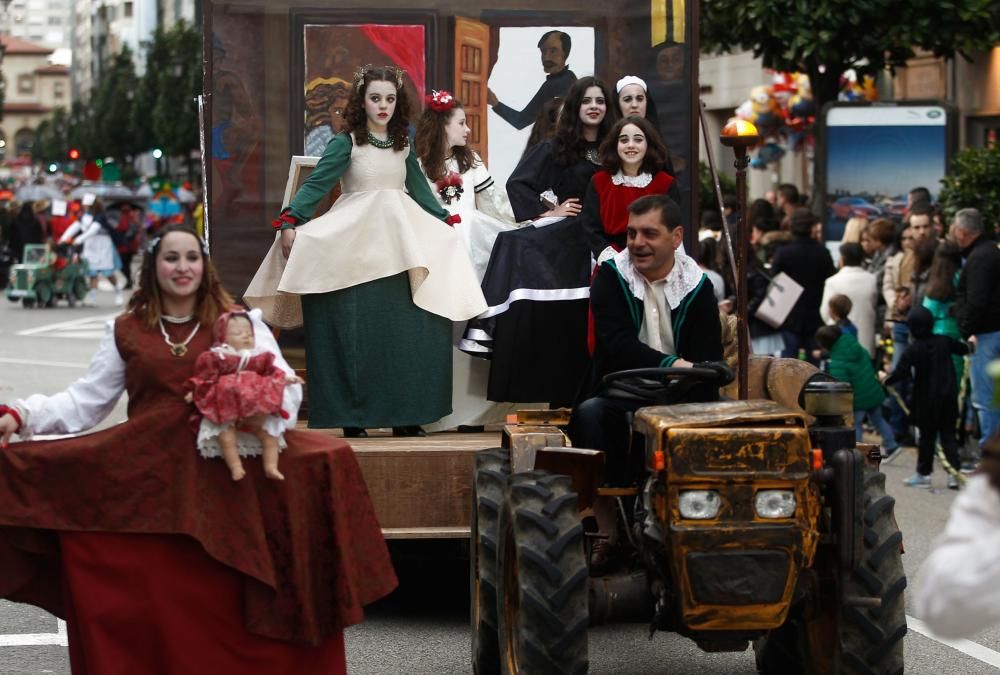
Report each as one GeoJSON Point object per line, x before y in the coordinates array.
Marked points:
{"type": "Point", "coordinates": [718, 192]}
{"type": "Point", "coordinates": [742, 246]}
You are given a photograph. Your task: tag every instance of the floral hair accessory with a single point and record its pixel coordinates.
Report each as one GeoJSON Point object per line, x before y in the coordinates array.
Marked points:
{"type": "Point", "coordinates": [359, 75]}
{"type": "Point", "coordinates": [153, 245]}
{"type": "Point", "coordinates": [441, 101]}
{"type": "Point", "coordinates": [449, 187]}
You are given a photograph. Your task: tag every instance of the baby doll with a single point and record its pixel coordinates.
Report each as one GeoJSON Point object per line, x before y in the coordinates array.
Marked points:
{"type": "Point", "coordinates": [237, 387]}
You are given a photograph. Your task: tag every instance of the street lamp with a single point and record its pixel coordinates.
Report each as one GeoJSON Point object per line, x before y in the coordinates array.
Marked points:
{"type": "Point", "coordinates": [741, 135]}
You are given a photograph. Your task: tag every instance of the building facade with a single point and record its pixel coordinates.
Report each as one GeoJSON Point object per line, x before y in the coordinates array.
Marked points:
{"type": "Point", "coordinates": [34, 88]}
{"type": "Point", "coordinates": [100, 29]}
{"type": "Point", "coordinates": [44, 22]}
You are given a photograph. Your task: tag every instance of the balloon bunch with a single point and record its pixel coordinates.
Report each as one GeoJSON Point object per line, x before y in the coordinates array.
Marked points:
{"type": "Point", "coordinates": [784, 114]}
{"type": "Point", "coordinates": [852, 90]}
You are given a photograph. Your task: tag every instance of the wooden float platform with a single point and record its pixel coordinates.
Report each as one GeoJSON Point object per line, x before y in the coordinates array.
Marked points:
{"type": "Point", "coordinates": [421, 487]}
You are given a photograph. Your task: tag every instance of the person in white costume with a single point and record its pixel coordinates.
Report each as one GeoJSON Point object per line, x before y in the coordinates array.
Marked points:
{"type": "Point", "coordinates": [462, 184]}
{"type": "Point", "coordinates": [93, 232]}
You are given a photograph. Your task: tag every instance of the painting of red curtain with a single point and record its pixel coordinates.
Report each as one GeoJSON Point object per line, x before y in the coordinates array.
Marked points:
{"type": "Point", "coordinates": [332, 54]}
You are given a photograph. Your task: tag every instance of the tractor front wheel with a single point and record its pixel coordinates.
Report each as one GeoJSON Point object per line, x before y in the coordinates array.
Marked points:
{"type": "Point", "coordinates": [857, 640]}
{"type": "Point", "coordinates": [543, 578]}
{"type": "Point", "coordinates": [489, 480]}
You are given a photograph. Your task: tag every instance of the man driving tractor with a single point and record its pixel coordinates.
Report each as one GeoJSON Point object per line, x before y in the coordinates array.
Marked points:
{"type": "Point", "coordinates": [653, 307]}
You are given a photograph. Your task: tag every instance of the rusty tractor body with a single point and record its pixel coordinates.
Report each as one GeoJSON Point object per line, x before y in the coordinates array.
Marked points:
{"type": "Point", "coordinates": [756, 522]}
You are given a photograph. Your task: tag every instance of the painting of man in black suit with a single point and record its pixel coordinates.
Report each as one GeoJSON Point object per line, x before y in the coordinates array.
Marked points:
{"type": "Point", "coordinates": [554, 47]}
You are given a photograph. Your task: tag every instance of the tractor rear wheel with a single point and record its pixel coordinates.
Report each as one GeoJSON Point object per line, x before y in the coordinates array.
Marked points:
{"type": "Point", "coordinates": [489, 480]}
{"type": "Point", "coordinates": [543, 578]}
{"type": "Point", "coordinates": [863, 641]}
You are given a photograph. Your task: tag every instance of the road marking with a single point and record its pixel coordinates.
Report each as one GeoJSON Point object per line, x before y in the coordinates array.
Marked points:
{"type": "Point", "coordinates": [86, 325]}
{"type": "Point", "coordinates": [58, 638]}
{"type": "Point", "coordinates": [968, 647]}
{"type": "Point", "coordinates": [33, 362]}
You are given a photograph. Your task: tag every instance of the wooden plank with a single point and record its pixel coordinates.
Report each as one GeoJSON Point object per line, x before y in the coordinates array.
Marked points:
{"type": "Point", "coordinates": [421, 487]}
{"type": "Point", "coordinates": [426, 533]}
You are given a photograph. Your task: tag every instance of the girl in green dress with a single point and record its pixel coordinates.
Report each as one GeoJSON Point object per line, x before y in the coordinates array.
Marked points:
{"type": "Point", "coordinates": [376, 281]}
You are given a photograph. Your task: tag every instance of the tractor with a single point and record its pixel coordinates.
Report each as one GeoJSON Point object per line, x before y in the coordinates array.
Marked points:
{"type": "Point", "coordinates": [47, 275]}
{"type": "Point", "coordinates": [749, 522]}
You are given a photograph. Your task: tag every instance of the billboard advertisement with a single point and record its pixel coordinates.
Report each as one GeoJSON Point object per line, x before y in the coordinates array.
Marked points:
{"type": "Point", "coordinates": [875, 154]}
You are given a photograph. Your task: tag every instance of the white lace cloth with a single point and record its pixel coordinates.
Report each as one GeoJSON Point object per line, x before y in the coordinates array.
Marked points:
{"type": "Point", "coordinates": [92, 397]}
{"type": "Point", "coordinates": [640, 181]}
{"type": "Point", "coordinates": [683, 278]}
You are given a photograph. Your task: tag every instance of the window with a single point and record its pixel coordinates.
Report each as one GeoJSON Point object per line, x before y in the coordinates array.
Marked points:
{"type": "Point", "coordinates": [25, 84]}
{"type": "Point", "coordinates": [128, 10]}
{"type": "Point", "coordinates": [58, 89]}
{"type": "Point", "coordinates": [55, 21]}
{"type": "Point", "coordinates": [23, 140]}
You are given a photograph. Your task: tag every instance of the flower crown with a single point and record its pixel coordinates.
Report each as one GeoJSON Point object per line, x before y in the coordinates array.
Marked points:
{"type": "Point", "coordinates": [440, 101]}
{"type": "Point", "coordinates": [359, 75]}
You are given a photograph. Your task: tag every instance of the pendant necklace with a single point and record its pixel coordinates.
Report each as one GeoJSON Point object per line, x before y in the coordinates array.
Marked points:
{"type": "Point", "coordinates": [592, 155]}
{"type": "Point", "coordinates": [379, 143]}
{"type": "Point", "coordinates": [178, 349]}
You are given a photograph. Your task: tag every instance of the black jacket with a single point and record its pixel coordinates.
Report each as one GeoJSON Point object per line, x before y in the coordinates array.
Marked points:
{"type": "Point", "coordinates": [809, 263]}
{"type": "Point", "coordinates": [618, 317]}
{"type": "Point", "coordinates": [977, 297]}
{"type": "Point", "coordinates": [928, 360]}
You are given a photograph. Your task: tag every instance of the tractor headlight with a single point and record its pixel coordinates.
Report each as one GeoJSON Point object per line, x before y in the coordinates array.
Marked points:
{"type": "Point", "coordinates": [775, 503]}
{"type": "Point", "coordinates": [700, 504]}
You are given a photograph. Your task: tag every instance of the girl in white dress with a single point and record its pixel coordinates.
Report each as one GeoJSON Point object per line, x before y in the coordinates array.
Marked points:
{"type": "Point", "coordinates": [462, 184]}
{"type": "Point", "coordinates": [93, 232]}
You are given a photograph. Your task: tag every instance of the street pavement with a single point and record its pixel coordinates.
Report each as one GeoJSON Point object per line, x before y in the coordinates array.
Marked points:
{"type": "Point", "coordinates": [422, 628]}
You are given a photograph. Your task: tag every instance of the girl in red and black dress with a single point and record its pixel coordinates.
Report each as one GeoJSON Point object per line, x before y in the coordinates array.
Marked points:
{"type": "Point", "coordinates": [632, 156]}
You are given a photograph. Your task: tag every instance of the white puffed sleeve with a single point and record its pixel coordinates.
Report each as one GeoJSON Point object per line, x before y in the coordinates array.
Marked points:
{"type": "Point", "coordinates": [958, 589]}
{"type": "Point", "coordinates": [489, 199]}
{"type": "Point", "coordinates": [264, 339]}
{"type": "Point", "coordinates": [85, 403]}
{"type": "Point", "coordinates": [71, 231]}
{"type": "Point", "coordinates": [91, 230]}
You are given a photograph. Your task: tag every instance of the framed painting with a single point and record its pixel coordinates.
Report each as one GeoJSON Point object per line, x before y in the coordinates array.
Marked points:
{"type": "Point", "coordinates": [331, 45]}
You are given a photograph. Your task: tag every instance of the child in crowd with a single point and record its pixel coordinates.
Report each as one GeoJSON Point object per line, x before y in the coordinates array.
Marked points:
{"type": "Point", "coordinates": [849, 362]}
{"type": "Point", "coordinates": [934, 402]}
{"type": "Point", "coordinates": [840, 306]}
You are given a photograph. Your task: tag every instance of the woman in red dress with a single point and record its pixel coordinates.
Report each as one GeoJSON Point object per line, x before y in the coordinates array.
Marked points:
{"type": "Point", "coordinates": [158, 561]}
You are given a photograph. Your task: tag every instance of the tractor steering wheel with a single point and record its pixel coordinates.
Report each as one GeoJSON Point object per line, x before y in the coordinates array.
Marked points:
{"type": "Point", "coordinates": [664, 385]}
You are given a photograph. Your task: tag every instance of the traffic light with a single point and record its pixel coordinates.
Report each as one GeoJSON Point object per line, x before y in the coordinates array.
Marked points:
{"type": "Point", "coordinates": [74, 153]}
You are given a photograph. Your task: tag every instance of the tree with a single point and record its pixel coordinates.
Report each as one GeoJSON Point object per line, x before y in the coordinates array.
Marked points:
{"type": "Point", "coordinates": [974, 183]}
{"type": "Point", "coordinates": [113, 102]}
{"type": "Point", "coordinates": [175, 115]}
{"type": "Point", "coordinates": [157, 53]}
{"type": "Point", "coordinates": [51, 144]}
{"type": "Point", "coordinates": [823, 38]}
{"type": "Point", "coordinates": [80, 129]}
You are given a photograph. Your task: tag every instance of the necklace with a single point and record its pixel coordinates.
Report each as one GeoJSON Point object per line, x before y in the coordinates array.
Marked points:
{"type": "Point", "coordinates": [592, 156]}
{"type": "Point", "coordinates": [379, 143]}
{"type": "Point", "coordinates": [178, 349]}
{"type": "Point", "coordinates": [177, 319]}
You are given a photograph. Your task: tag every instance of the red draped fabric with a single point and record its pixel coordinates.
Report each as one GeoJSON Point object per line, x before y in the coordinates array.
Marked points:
{"type": "Point", "coordinates": [159, 605]}
{"type": "Point", "coordinates": [403, 46]}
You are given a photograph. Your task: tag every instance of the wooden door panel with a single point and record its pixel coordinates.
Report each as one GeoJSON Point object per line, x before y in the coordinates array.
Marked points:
{"type": "Point", "coordinates": [472, 41]}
